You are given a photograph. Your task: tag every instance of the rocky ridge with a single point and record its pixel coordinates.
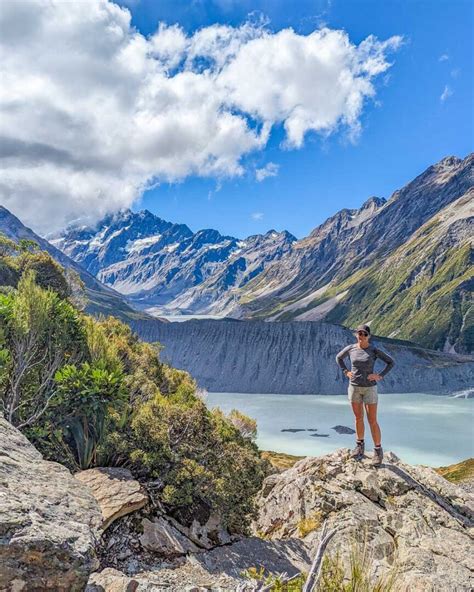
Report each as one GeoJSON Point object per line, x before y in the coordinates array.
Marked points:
{"type": "Point", "coordinates": [346, 262]}
{"type": "Point", "coordinates": [410, 518]}
{"type": "Point", "coordinates": [409, 256]}
{"type": "Point", "coordinates": [294, 357]}
{"type": "Point", "coordinates": [159, 264]}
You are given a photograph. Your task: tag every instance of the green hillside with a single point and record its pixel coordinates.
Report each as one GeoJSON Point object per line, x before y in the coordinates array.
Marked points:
{"type": "Point", "coordinates": [422, 292]}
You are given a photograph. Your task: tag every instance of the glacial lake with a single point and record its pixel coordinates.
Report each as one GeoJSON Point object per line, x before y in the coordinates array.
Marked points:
{"type": "Point", "coordinates": [423, 429]}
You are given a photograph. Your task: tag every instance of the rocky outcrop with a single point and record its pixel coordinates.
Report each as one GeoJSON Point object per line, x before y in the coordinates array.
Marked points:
{"type": "Point", "coordinates": [49, 522]}
{"type": "Point", "coordinates": [294, 357]}
{"type": "Point", "coordinates": [115, 490]}
{"type": "Point", "coordinates": [221, 570]}
{"type": "Point", "coordinates": [411, 518]}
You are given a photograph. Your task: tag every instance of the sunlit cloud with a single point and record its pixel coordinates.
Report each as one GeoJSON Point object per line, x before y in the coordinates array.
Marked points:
{"type": "Point", "coordinates": [269, 170]}
{"type": "Point", "coordinates": [94, 113]}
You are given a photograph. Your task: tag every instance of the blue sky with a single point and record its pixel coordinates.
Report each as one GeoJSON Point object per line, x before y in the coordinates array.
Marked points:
{"type": "Point", "coordinates": [405, 129]}
{"type": "Point", "coordinates": [230, 114]}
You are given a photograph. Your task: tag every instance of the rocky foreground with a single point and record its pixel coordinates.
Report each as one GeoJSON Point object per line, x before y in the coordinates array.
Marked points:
{"type": "Point", "coordinates": [101, 531]}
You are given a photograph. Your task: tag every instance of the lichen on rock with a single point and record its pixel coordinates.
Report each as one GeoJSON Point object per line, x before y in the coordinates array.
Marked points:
{"type": "Point", "coordinates": [49, 522]}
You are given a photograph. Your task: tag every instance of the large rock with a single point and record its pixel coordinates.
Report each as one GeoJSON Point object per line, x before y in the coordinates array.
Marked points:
{"type": "Point", "coordinates": [49, 522]}
{"type": "Point", "coordinates": [115, 490]}
{"type": "Point", "coordinates": [411, 517]}
{"type": "Point", "coordinates": [111, 580]}
{"type": "Point", "coordinates": [161, 537]}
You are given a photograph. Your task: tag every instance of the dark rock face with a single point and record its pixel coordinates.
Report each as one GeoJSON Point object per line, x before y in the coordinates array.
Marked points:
{"type": "Point", "coordinates": [295, 357]}
{"type": "Point", "coordinates": [343, 429]}
{"type": "Point", "coordinates": [49, 522]}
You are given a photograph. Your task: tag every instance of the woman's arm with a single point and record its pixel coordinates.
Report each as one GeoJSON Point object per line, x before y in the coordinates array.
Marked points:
{"type": "Point", "coordinates": [340, 358]}
{"type": "Point", "coordinates": [389, 363]}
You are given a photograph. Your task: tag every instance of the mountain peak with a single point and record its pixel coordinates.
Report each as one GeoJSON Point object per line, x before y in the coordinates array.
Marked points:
{"type": "Point", "coordinates": [449, 161]}
{"type": "Point", "coordinates": [373, 202]}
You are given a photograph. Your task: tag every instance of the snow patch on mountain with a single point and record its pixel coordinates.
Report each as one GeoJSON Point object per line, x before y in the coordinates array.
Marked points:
{"type": "Point", "coordinates": [140, 244]}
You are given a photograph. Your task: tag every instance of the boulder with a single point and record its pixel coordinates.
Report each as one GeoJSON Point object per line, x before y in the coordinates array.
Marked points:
{"type": "Point", "coordinates": [49, 522]}
{"type": "Point", "coordinates": [115, 490]}
{"type": "Point", "coordinates": [409, 516]}
{"type": "Point", "coordinates": [340, 429]}
{"type": "Point", "coordinates": [161, 537]}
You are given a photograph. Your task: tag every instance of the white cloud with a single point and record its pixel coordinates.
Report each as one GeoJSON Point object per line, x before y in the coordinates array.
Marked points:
{"type": "Point", "coordinates": [447, 92]}
{"type": "Point", "coordinates": [93, 112]}
{"type": "Point", "coordinates": [257, 216]}
{"type": "Point", "coordinates": [443, 57]}
{"type": "Point", "coordinates": [269, 170]}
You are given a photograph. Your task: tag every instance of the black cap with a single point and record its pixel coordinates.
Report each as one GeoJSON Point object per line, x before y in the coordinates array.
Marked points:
{"type": "Point", "coordinates": [365, 328]}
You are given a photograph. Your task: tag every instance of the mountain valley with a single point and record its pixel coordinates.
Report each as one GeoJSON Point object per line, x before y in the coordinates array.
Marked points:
{"type": "Point", "coordinates": [400, 264]}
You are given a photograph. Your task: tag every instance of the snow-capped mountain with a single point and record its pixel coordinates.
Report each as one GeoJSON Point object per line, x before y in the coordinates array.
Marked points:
{"type": "Point", "coordinates": [402, 264]}
{"type": "Point", "coordinates": [156, 263]}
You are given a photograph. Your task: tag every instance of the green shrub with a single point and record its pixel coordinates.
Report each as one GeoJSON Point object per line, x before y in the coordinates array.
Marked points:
{"type": "Point", "coordinates": [201, 459]}
{"type": "Point", "coordinates": [39, 333]}
{"type": "Point", "coordinates": [48, 273]}
{"type": "Point", "coordinates": [84, 400]}
{"type": "Point", "coordinates": [89, 393]}
{"type": "Point", "coordinates": [144, 374]}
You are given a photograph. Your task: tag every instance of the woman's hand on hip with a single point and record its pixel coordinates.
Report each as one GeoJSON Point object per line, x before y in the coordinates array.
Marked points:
{"type": "Point", "coordinates": [349, 374]}
{"type": "Point", "coordinates": [375, 377]}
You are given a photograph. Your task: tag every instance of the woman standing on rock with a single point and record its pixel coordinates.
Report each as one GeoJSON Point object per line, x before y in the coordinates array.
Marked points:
{"type": "Point", "coordinates": [363, 388]}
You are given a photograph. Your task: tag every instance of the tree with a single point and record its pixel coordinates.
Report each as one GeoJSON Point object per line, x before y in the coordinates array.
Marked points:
{"type": "Point", "coordinates": [26, 244]}
{"type": "Point", "coordinates": [40, 332]}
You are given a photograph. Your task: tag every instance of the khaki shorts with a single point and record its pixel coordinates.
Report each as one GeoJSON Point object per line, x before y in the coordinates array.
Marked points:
{"type": "Point", "coordinates": [362, 394]}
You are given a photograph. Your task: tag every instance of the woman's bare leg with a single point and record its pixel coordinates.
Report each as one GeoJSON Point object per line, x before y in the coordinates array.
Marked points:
{"type": "Point", "coordinates": [371, 410]}
{"type": "Point", "coordinates": [358, 409]}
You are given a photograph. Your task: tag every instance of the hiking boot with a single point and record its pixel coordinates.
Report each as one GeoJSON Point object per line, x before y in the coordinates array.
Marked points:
{"type": "Point", "coordinates": [359, 450]}
{"type": "Point", "coordinates": [378, 457]}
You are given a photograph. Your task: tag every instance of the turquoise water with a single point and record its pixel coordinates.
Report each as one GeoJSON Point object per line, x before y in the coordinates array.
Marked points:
{"type": "Point", "coordinates": [421, 429]}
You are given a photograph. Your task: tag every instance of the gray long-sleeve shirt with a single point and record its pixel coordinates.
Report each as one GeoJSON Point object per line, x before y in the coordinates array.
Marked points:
{"type": "Point", "coordinates": [362, 362]}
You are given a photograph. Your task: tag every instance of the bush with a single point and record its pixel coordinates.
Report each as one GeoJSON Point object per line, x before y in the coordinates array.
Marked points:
{"type": "Point", "coordinates": [246, 425]}
{"type": "Point", "coordinates": [201, 459]}
{"type": "Point", "coordinates": [89, 393]}
{"type": "Point", "coordinates": [48, 273]}
{"type": "Point", "coordinates": [85, 399]}
{"type": "Point", "coordinates": [39, 333]}
{"type": "Point", "coordinates": [144, 374]}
